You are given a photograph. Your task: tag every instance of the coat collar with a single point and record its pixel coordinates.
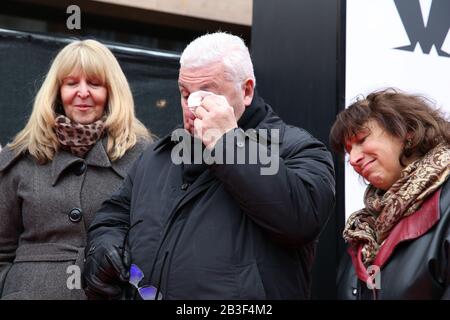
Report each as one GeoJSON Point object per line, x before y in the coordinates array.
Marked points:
{"type": "Point", "coordinates": [409, 228]}
{"type": "Point", "coordinates": [97, 156]}
{"type": "Point", "coordinates": [8, 157]}
{"type": "Point", "coordinates": [63, 159]}
{"type": "Point", "coordinates": [166, 139]}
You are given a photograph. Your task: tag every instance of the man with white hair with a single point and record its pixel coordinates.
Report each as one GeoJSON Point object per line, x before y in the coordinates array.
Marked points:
{"type": "Point", "coordinates": [198, 216]}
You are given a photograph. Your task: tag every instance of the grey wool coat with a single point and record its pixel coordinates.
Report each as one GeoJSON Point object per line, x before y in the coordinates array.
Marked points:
{"type": "Point", "coordinates": [45, 211]}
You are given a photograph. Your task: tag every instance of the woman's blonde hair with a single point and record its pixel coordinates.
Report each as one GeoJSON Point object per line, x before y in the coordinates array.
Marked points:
{"type": "Point", "coordinates": [94, 60]}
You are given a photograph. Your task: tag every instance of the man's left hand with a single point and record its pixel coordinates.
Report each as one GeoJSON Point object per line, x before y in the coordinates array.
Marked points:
{"type": "Point", "coordinates": [214, 118]}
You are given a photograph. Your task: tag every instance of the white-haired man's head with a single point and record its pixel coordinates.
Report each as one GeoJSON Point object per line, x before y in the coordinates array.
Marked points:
{"type": "Point", "coordinates": [219, 63]}
{"type": "Point", "coordinates": [220, 47]}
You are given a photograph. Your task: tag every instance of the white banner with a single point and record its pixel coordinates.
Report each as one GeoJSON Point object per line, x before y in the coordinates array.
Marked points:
{"type": "Point", "coordinates": [395, 43]}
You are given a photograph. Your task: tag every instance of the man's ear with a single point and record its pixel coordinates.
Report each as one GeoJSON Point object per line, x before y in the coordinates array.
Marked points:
{"type": "Point", "coordinates": [248, 89]}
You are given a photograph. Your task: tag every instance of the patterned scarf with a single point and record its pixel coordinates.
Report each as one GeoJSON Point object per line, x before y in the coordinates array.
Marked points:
{"type": "Point", "coordinates": [384, 209]}
{"type": "Point", "coordinates": [78, 138]}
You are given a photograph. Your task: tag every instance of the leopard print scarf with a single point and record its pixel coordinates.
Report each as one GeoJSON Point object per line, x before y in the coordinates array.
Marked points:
{"type": "Point", "coordinates": [383, 210]}
{"type": "Point", "coordinates": [78, 138]}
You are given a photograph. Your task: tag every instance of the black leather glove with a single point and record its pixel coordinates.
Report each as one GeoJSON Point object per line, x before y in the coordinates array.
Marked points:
{"type": "Point", "coordinates": [106, 271]}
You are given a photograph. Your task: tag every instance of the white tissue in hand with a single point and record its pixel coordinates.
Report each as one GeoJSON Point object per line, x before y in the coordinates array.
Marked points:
{"type": "Point", "coordinates": [195, 99]}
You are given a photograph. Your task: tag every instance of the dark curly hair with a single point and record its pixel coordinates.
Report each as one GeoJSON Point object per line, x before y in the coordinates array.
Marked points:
{"type": "Point", "coordinates": [411, 118]}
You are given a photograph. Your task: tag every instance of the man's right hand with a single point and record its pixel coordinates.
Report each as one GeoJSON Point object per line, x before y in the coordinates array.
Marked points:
{"type": "Point", "coordinates": [106, 273]}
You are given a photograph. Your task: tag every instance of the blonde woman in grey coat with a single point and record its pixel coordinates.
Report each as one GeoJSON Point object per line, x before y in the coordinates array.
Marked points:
{"type": "Point", "coordinates": [75, 150]}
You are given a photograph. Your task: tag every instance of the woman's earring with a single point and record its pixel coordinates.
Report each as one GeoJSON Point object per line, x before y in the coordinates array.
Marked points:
{"type": "Point", "coordinates": [407, 150]}
{"type": "Point", "coordinates": [408, 144]}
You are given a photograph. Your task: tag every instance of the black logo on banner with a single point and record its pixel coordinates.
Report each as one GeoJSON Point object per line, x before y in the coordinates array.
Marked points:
{"type": "Point", "coordinates": [437, 27]}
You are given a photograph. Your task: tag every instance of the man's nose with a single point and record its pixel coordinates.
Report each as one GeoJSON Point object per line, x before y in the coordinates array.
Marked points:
{"type": "Point", "coordinates": [83, 90]}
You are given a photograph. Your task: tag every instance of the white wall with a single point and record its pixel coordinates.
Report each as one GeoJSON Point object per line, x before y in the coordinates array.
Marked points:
{"type": "Point", "coordinates": [374, 30]}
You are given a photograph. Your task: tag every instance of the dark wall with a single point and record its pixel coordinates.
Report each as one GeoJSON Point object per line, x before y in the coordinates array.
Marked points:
{"type": "Point", "coordinates": [26, 57]}
{"type": "Point", "coordinates": [298, 54]}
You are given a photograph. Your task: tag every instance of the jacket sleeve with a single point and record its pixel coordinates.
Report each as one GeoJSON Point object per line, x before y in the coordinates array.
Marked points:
{"type": "Point", "coordinates": [444, 211]}
{"type": "Point", "coordinates": [10, 222]}
{"type": "Point", "coordinates": [294, 201]}
{"type": "Point", "coordinates": [112, 221]}
{"type": "Point", "coordinates": [445, 267]}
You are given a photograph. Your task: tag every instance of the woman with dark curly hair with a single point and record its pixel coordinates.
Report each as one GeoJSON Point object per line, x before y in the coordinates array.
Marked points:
{"type": "Point", "coordinates": [399, 242]}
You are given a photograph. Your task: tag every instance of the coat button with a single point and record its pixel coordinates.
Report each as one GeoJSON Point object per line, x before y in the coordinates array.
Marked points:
{"type": "Point", "coordinates": [354, 291]}
{"type": "Point", "coordinates": [185, 186]}
{"type": "Point", "coordinates": [75, 215]}
{"type": "Point", "coordinates": [79, 168]}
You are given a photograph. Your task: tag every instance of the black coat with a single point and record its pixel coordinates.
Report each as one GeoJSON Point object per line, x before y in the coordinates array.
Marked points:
{"type": "Point", "coordinates": [414, 259]}
{"type": "Point", "coordinates": [229, 233]}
